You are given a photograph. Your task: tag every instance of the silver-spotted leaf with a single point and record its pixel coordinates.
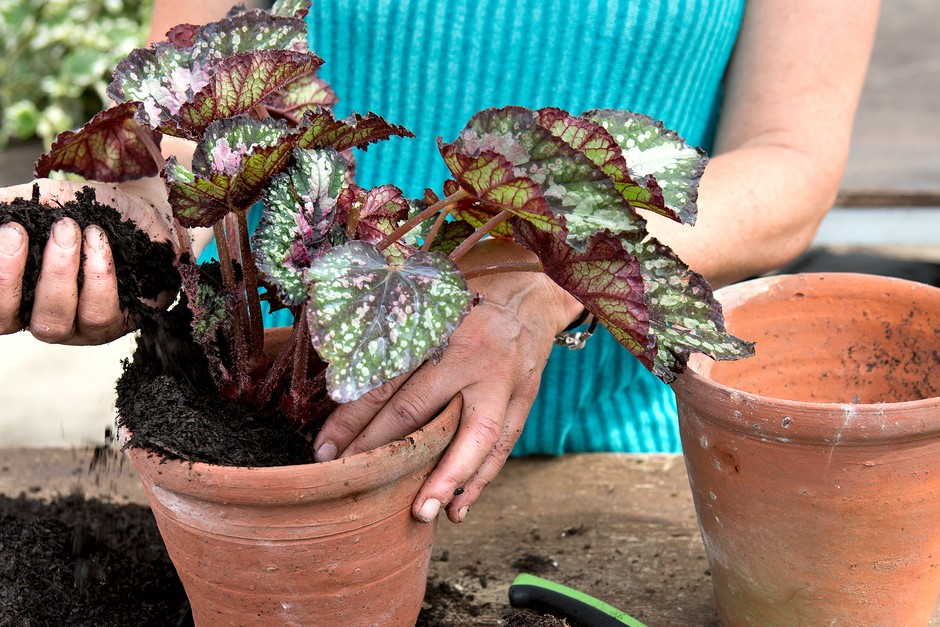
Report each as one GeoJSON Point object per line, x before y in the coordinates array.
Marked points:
{"type": "Point", "coordinates": [372, 320]}
{"type": "Point", "coordinates": [657, 158]}
{"type": "Point", "coordinates": [291, 8]}
{"type": "Point", "coordinates": [605, 277]}
{"type": "Point", "coordinates": [111, 148]}
{"type": "Point", "coordinates": [684, 316]}
{"type": "Point", "coordinates": [299, 212]}
{"type": "Point", "coordinates": [594, 142]}
{"type": "Point", "coordinates": [571, 184]}
{"type": "Point", "coordinates": [231, 165]}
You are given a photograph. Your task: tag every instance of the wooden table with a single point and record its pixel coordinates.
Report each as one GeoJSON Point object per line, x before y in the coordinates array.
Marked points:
{"type": "Point", "coordinates": [618, 527]}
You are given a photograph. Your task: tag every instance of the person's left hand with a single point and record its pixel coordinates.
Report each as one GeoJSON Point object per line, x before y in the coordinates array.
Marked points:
{"type": "Point", "coordinates": [494, 359]}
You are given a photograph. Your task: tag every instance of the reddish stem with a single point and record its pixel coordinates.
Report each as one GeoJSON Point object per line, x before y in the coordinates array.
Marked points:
{"type": "Point", "coordinates": [250, 272]}
{"type": "Point", "coordinates": [435, 228]}
{"type": "Point", "coordinates": [392, 237]}
{"type": "Point", "coordinates": [479, 234]}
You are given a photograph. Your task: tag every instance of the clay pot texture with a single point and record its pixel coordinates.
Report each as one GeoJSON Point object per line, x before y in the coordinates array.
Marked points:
{"type": "Point", "coordinates": [815, 465]}
{"type": "Point", "coordinates": [318, 544]}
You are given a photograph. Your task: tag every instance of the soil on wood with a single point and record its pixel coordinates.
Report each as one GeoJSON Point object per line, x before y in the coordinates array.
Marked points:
{"type": "Point", "coordinates": [82, 562]}
{"type": "Point", "coordinates": [144, 269]}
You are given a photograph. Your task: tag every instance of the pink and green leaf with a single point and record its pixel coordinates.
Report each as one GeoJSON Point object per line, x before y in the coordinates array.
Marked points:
{"type": "Point", "coordinates": [381, 210]}
{"type": "Point", "coordinates": [292, 102]}
{"type": "Point", "coordinates": [657, 158]}
{"type": "Point", "coordinates": [594, 142]}
{"type": "Point", "coordinates": [605, 277]}
{"type": "Point", "coordinates": [112, 147]}
{"type": "Point", "coordinates": [373, 320]}
{"type": "Point", "coordinates": [300, 208]}
{"type": "Point", "coordinates": [684, 316]}
{"type": "Point", "coordinates": [322, 130]}
{"type": "Point", "coordinates": [291, 8]}
{"type": "Point", "coordinates": [231, 165]}
{"type": "Point", "coordinates": [571, 185]}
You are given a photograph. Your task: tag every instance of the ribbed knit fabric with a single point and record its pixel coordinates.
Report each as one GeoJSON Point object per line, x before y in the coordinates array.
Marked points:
{"type": "Point", "coordinates": [430, 64]}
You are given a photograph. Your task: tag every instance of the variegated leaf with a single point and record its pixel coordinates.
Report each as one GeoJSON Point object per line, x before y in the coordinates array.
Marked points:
{"type": "Point", "coordinates": [605, 277]}
{"type": "Point", "coordinates": [657, 158]}
{"type": "Point", "coordinates": [594, 142]}
{"type": "Point", "coordinates": [372, 320]}
{"type": "Point", "coordinates": [231, 165]}
{"type": "Point", "coordinates": [571, 184]}
{"type": "Point", "coordinates": [291, 8]}
{"type": "Point", "coordinates": [299, 212]}
{"type": "Point", "coordinates": [292, 102]}
{"type": "Point", "coordinates": [381, 210]}
{"type": "Point", "coordinates": [322, 130]}
{"type": "Point", "coordinates": [111, 148]}
{"type": "Point", "coordinates": [684, 316]}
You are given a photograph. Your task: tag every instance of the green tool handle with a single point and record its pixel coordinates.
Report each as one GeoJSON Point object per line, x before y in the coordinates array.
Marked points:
{"type": "Point", "coordinates": [579, 609]}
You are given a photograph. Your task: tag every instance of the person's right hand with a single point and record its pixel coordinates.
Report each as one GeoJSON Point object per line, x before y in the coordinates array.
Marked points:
{"type": "Point", "coordinates": [61, 313]}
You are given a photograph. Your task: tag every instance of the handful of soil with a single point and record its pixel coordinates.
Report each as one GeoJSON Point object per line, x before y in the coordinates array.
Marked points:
{"type": "Point", "coordinates": [144, 268]}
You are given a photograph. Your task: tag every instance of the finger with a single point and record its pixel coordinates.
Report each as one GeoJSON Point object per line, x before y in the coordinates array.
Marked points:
{"type": "Point", "coordinates": [516, 415]}
{"type": "Point", "coordinates": [481, 426]}
{"type": "Point", "coordinates": [99, 316]}
{"type": "Point", "coordinates": [349, 419]}
{"type": "Point", "coordinates": [415, 404]}
{"type": "Point", "coordinates": [13, 249]}
{"type": "Point", "coordinates": [53, 316]}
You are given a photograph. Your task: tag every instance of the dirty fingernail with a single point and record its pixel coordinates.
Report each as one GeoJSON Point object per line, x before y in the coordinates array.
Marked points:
{"type": "Point", "coordinates": [429, 510]}
{"type": "Point", "coordinates": [11, 239]}
{"type": "Point", "coordinates": [64, 233]}
{"type": "Point", "coordinates": [462, 513]}
{"type": "Point", "coordinates": [326, 452]}
{"type": "Point", "coordinates": [94, 238]}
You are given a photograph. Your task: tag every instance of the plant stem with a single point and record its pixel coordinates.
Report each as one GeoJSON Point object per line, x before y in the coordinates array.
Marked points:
{"type": "Point", "coordinates": [502, 268]}
{"type": "Point", "coordinates": [392, 237]}
{"type": "Point", "coordinates": [228, 278]}
{"type": "Point", "coordinates": [260, 111]}
{"type": "Point", "coordinates": [435, 228]}
{"type": "Point", "coordinates": [479, 234]}
{"type": "Point", "coordinates": [250, 272]}
{"type": "Point", "coordinates": [147, 140]}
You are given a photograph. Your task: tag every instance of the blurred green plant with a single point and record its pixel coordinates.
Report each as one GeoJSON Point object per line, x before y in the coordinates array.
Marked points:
{"type": "Point", "coordinates": [56, 58]}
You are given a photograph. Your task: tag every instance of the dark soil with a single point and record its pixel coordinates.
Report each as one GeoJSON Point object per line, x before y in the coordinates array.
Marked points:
{"type": "Point", "coordinates": [84, 562]}
{"type": "Point", "coordinates": [145, 269]}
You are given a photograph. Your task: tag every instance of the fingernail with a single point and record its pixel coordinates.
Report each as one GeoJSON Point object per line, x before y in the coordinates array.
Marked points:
{"type": "Point", "coordinates": [11, 239]}
{"type": "Point", "coordinates": [64, 234]}
{"type": "Point", "coordinates": [462, 513]}
{"type": "Point", "coordinates": [94, 238]}
{"type": "Point", "coordinates": [429, 510]}
{"type": "Point", "coordinates": [326, 453]}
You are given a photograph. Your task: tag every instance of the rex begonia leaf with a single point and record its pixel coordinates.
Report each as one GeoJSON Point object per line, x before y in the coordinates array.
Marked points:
{"type": "Point", "coordinates": [684, 316]}
{"type": "Point", "coordinates": [230, 166]}
{"type": "Point", "coordinates": [490, 177]}
{"type": "Point", "coordinates": [372, 320]}
{"type": "Point", "coordinates": [472, 212]}
{"type": "Point", "coordinates": [307, 93]}
{"type": "Point", "coordinates": [657, 158]}
{"type": "Point", "coordinates": [299, 212]}
{"type": "Point", "coordinates": [594, 142]}
{"type": "Point", "coordinates": [605, 277]}
{"type": "Point", "coordinates": [451, 235]}
{"type": "Point", "coordinates": [111, 148]}
{"type": "Point", "coordinates": [322, 130]}
{"type": "Point", "coordinates": [570, 183]}
{"type": "Point", "coordinates": [239, 83]}
{"type": "Point", "coordinates": [381, 210]}
{"type": "Point", "coordinates": [291, 8]}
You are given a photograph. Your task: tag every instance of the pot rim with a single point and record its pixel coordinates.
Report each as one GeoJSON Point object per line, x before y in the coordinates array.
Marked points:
{"type": "Point", "coordinates": [863, 423]}
{"type": "Point", "coordinates": [277, 484]}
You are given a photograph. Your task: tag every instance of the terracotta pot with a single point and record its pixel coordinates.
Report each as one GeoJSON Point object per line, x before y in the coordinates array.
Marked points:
{"type": "Point", "coordinates": [319, 544]}
{"type": "Point", "coordinates": [815, 465]}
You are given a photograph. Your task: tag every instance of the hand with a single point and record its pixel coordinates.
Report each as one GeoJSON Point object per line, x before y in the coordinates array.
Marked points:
{"type": "Point", "coordinates": [494, 359]}
{"type": "Point", "coordinates": [61, 312]}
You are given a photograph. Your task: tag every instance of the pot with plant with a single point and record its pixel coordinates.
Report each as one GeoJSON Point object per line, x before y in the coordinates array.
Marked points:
{"type": "Point", "coordinates": [376, 283]}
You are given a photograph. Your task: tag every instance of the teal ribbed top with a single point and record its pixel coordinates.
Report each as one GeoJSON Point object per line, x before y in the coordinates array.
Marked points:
{"type": "Point", "coordinates": [430, 64]}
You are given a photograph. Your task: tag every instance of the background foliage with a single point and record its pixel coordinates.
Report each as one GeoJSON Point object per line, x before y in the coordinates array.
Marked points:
{"type": "Point", "coordinates": [56, 59]}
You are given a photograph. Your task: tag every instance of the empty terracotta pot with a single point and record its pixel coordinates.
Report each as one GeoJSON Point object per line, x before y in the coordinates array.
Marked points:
{"type": "Point", "coordinates": [320, 544]}
{"type": "Point", "coordinates": [815, 465]}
